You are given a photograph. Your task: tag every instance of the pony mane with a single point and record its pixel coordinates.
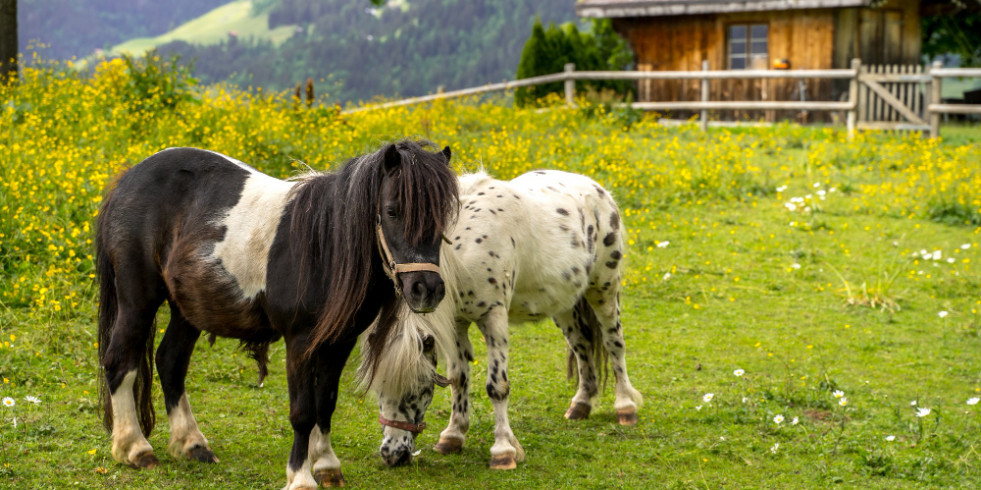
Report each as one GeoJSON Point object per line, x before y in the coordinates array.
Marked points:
{"type": "Point", "coordinates": [403, 366]}
{"type": "Point", "coordinates": [391, 352]}
{"type": "Point", "coordinates": [332, 227]}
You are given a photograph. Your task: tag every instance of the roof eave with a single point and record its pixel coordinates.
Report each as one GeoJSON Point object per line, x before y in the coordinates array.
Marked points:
{"type": "Point", "coordinates": [681, 7]}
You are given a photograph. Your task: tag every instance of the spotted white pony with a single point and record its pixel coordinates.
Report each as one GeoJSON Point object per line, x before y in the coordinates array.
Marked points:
{"type": "Point", "coordinates": [546, 244]}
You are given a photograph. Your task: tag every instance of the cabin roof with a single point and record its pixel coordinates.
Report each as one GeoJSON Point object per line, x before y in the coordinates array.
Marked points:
{"type": "Point", "coordinates": [660, 8]}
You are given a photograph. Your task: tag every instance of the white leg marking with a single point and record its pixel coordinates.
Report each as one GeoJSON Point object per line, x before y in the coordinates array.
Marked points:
{"type": "Point", "coordinates": [184, 432]}
{"type": "Point", "coordinates": [128, 442]}
{"type": "Point", "coordinates": [505, 444]}
{"type": "Point", "coordinates": [321, 452]}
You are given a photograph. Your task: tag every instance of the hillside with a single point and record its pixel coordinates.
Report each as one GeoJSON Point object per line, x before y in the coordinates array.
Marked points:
{"type": "Point", "coordinates": [234, 19]}
{"type": "Point", "coordinates": [404, 49]}
{"type": "Point", "coordinates": [76, 28]}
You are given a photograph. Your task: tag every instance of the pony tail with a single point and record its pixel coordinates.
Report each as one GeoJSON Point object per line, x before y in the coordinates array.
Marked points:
{"type": "Point", "coordinates": [143, 385]}
{"type": "Point", "coordinates": [107, 318]}
{"type": "Point", "coordinates": [593, 332]}
{"type": "Point", "coordinates": [108, 308]}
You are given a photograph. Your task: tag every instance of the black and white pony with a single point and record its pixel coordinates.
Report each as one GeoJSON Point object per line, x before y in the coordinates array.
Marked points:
{"type": "Point", "coordinates": [546, 244]}
{"type": "Point", "coordinates": [239, 254]}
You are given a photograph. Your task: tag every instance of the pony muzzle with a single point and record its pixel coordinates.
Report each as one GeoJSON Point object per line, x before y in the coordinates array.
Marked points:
{"type": "Point", "coordinates": [422, 289]}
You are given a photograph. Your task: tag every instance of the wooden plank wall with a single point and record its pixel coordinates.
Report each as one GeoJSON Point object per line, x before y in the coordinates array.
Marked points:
{"type": "Point", "coordinates": [805, 37]}
{"type": "Point", "coordinates": [810, 39]}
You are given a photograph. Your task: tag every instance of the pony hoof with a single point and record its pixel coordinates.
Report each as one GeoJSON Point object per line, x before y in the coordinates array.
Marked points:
{"type": "Point", "coordinates": [329, 478]}
{"type": "Point", "coordinates": [503, 462]}
{"type": "Point", "coordinates": [146, 461]}
{"type": "Point", "coordinates": [578, 411]}
{"type": "Point", "coordinates": [627, 417]}
{"type": "Point", "coordinates": [202, 454]}
{"type": "Point", "coordinates": [448, 446]}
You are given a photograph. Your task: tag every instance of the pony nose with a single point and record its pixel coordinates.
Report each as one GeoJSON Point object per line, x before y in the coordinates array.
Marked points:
{"type": "Point", "coordinates": [398, 457]}
{"type": "Point", "coordinates": [423, 290]}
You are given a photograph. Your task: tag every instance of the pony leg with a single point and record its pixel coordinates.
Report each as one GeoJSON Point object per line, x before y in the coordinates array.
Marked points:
{"type": "Point", "coordinates": [458, 369]}
{"type": "Point", "coordinates": [607, 313]}
{"type": "Point", "coordinates": [506, 451]}
{"type": "Point", "coordinates": [325, 465]}
{"type": "Point", "coordinates": [173, 357]}
{"type": "Point", "coordinates": [303, 406]}
{"type": "Point", "coordinates": [126, 362]}
{"type": "Point", "coordinates": [311, 407]}
{"type": "Point", "coordinates": [579, 337]}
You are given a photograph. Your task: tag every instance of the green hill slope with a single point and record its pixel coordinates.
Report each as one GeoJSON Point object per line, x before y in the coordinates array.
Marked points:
{"type": "Point", "coordinates": [236, 19]}
{"type": "Point", "coordinates": [403, 49]}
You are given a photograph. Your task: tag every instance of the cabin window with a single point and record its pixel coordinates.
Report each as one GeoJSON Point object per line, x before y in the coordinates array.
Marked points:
{"type": "Point", "coordinates": [748, 46]}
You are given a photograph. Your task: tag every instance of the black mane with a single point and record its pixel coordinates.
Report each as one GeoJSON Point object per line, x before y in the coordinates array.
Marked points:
{"type": "Point", "coordinates": [332, 227]}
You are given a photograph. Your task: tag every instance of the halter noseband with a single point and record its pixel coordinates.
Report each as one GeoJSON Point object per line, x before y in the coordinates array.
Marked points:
{"type": "Point", "coordinates": [393, 268]}
{"type": "Point", "coordinates": [407, 426]}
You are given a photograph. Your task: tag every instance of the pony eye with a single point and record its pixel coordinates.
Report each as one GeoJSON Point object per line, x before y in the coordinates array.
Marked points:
{"type": "Point", "coordinates": [392, 212]}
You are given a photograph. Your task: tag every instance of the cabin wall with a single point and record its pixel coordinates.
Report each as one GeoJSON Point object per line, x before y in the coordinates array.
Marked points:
{"type": "Point", "coordinates": [804, 37]}
{"type": "Point", "coordinates": [890, 34]}
{"type": "Point", "coordinates": [808, 39]}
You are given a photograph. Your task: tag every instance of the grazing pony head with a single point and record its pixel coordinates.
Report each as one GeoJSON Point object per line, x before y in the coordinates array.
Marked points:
{"type": "Point", "coordinates": [405, 381]}
{"type": "Point", "coordinates": [392, 208]}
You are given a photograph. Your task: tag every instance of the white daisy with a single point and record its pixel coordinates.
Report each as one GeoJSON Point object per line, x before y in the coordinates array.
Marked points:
{"type": "Point", "coordinates": [8, 402]}
{"type": "Point", "coordinates": [922, 412]}
{"type": "Point", "coordinates": [973, 401]}
{"type": "Point", "coordinates": [708, 397]}
{"type": "Point", "coordinates": [778, 419]}
{"type": "Point", "coordinates": [739, 372]}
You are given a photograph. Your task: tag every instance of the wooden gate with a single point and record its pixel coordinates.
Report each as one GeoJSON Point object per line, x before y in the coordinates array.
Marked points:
{"type": "Point", "coordinates": [892, 97]}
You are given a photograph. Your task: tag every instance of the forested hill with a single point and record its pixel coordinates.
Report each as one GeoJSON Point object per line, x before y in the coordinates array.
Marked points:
{"type": "Point", "coordinates": [403, 49]}
{"type": "Point", "coordinates": [76, 28]}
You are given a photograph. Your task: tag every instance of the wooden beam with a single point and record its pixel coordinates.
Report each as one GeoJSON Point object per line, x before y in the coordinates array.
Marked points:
{"type": "Point", "coordinates": [955, 108]}
{"type": "Point", "coordinates": [894, 102]}
{"type": "Point", "coordinates": [743, 105]}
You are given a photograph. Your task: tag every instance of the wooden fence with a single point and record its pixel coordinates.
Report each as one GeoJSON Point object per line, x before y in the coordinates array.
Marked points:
{"type": "Point", "coordinates": [901, 112]}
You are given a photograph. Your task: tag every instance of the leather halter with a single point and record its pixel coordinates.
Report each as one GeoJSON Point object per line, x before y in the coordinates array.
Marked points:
{"type": "Point", "coordinates": [407, 426]}
{"type": "Point", "coordinates": [393, 268]}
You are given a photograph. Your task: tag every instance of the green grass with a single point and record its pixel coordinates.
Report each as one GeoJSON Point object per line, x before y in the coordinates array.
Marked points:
{"type": "Point", "coordinates": [743, 283]}
{"type": "Point", "coordinates": [789, 329]}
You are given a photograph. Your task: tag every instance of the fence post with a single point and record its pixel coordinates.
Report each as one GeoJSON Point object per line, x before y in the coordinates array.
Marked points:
{"type": "Point", "coordinates": [703, 117]}
{"type": "Point", "coordinates": [570, 85]}
{"type": "Point", "coordinates": [934, 99]}
{"type": "Point", "coordinates": [853, 98]}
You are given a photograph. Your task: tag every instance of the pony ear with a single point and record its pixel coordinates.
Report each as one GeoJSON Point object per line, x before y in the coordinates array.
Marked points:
{"type": "Point", "coordinates": [446, 153]}
{"type": "Point", "coordinates": [392, 159]}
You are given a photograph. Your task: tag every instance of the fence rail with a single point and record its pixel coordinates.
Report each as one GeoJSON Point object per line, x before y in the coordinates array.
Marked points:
{"type": "Point", "coordinates": [932, 78]}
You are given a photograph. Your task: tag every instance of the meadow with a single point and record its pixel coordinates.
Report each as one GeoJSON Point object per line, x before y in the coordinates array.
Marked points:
{"type": "Point", "coordinates": [800, 310]}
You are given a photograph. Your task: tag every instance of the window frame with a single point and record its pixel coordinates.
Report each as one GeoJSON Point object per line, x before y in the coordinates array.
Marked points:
{"type": "Point", "coordinates": [748, 40]}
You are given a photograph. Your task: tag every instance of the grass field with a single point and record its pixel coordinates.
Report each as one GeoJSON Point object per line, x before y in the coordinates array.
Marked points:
{"type": "Point", "coordinates": [840, 279]}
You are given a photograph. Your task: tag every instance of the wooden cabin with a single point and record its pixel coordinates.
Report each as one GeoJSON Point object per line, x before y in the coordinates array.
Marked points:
{"type": "Point", "coordinates": [774, 34]}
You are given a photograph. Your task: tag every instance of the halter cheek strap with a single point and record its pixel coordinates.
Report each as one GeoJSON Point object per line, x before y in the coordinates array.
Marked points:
{"type": "Point", "coordinates": [393, 268]}
{"type": "Point", "coordinates": [407, 426]}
